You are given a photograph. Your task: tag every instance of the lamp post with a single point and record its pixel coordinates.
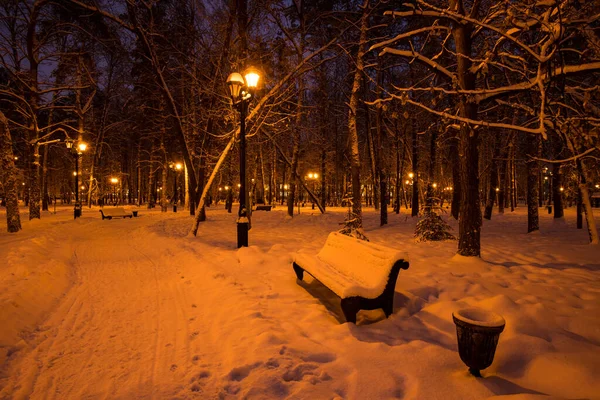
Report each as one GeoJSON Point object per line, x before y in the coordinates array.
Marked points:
{"type": "Point", "coordinates": [177, 167]}
{"type": "Point", "coordinates": [114, 182]}
{"type": "Point", "coordinates": [240, 90]}
{"type": "Point", "coordinates": [77, 152]}
{"type": "Point", "coordinates": [313, 176]}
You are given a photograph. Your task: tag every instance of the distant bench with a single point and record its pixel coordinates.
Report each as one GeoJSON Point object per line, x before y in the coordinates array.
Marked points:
{"type": "Point", "coordinates": [361, 273]}
{"type": "Point", "coordinates": [116, 212]}
{"type": "Point", "coordinates": [263, 207]}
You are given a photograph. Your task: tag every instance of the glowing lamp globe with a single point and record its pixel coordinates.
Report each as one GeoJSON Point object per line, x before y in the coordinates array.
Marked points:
{"type": "Point", "coordinates": [252, 78]}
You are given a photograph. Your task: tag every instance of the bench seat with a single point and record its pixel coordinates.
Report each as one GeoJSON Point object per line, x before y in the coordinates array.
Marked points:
{"type": "Point", "coordinates": [361, 273]}
{"type": "Point", "coordinates": [115, 212]}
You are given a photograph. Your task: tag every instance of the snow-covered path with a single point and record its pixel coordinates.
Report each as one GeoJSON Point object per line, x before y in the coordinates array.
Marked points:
{"type": "Point", "coordinates": [151, 313]}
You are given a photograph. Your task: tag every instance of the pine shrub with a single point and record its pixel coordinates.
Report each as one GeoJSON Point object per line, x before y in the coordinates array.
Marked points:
{"type": "Point", "coordinates": [432, 228]}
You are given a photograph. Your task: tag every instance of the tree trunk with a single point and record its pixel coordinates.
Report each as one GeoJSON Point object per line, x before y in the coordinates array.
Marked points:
{"type": "Point", "coordinates": [7, 161]}
{"type": "Point", "coordinates": [323, 191]}
{"type": "Point", "coordinates": [470, 211]}
{"type": "Point", "coordinates": [557, 193]}
{"type": "Point", "coordinates": [45, 180]}
{"type": "Point", "coordinates": [293, 175]}
{"type": "Point", "coordinates": [398, 185]}
{"type": "Point", "coordinates": [586, 204]}
{"type": "Point", "coordinates": [415, 168]}
{"type": "Point", "coordinates": [456, 186]}
{"type": "Point", "coordinates": [533, 194]}
{"type": "Point", "coordinates": [352, 128]}
{"type": "Point", "coordinates": [151, 173]}
{"type": "Point", "coordinates": [489, 206]}
{"type": "Point", "coordinates": [432, 156]}
{"type": "Point", "coordinates": [372, 154]}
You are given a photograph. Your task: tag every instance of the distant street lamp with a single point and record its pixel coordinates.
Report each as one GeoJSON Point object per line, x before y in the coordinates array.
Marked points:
{"type": "Point", "coordinates": [77, 152]}
{"type": "Point", "coordinates": [177, 167]}
{"type": "Point", "coordinates": [241, 89]}
{"type": "Point", "coordinates": [114, 182]}
{"type": "Point", "coordinates": [313, 176]}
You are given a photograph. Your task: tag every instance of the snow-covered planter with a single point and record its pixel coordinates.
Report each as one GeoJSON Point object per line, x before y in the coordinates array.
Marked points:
{"type": "Point", "coordinates": [477, 332]}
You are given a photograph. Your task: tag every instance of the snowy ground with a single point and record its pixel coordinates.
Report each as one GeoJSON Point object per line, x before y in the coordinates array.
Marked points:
{"type": "Point", "coordinates": [127, 309]}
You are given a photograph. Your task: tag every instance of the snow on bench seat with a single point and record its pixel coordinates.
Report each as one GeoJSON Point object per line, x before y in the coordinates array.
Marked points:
{"type": "Point", "coordinates": [361, 273]}
{"type": "Point", "coordinates": [115, 212]}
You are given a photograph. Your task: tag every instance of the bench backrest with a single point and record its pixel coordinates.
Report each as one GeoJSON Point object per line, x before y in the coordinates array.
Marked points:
{"type": "Point", "coordinates": [364, 261]}
{"type": "Point", "coordinates": [114, 211]}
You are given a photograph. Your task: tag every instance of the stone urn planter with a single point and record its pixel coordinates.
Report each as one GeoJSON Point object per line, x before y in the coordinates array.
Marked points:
{"type": "Point", "coordinates": [477, 332]}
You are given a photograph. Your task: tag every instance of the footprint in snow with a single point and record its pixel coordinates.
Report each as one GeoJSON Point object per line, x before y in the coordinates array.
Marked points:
{"type": "Point", "coordinates": [200, 375]}
{"type": "Point", "coordinates": [240, 373]}
{"type": "Point", "coordinates": [299, 372]}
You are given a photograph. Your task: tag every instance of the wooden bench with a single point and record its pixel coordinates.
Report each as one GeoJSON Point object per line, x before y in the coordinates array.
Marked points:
{"type": "Point", "coordinates": [361, 273]}
{"type": "Point", "coordinates": [116, 212]}
{"type": "Point", "coordinates": [263, 207]}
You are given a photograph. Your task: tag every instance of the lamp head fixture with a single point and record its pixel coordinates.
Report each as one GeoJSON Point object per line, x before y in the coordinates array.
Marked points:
{"type": "Point", "coordinates": [242, 87]}
{"type": "Point", "coordinates": [235, 83]}
{"type": "Point", "coordinates": [252, 77]}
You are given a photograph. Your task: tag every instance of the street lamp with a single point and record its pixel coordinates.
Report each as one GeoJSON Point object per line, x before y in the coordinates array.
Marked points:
{"type": "Point", "coordinates": [241, 89]}
{"type": "Point", "coordinates": [177, 167]}
{"type": "Point", "coordinates": [114, 182]}
{"type": "Point", "coordinates": [77, 152]}
{"type": "Point", "coordinates": [313, 176]}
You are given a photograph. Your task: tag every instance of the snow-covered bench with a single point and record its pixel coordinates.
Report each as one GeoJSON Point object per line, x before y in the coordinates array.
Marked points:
{"type": "Point", "coordinates": [361, 273]}
{"type": "Point", "coordinates": [116, 212]}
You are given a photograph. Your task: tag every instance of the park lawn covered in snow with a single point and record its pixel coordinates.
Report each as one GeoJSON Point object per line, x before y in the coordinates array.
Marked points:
{"type": "Point", "coordinates": [137, 309]}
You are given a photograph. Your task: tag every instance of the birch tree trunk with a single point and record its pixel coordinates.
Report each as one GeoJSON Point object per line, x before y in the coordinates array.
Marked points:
{"type": "Point", "coordinates": [9, 172]}
{"type": "Point", "coordinates": [352, 128]}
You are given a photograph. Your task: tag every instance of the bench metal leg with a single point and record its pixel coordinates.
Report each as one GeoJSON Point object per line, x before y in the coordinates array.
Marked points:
{"type": "Point", "coordinates": [298, 270]}
{"type": "Point", "coordinates": [388, 306]}
{"type": "Point", "coordinates": [350, 307]}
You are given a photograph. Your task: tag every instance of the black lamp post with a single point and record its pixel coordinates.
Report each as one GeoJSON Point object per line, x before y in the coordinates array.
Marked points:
{"type": "Point", "coordinates": [77, 152]}
{"type": "Point", "coordinates": [177, 167]}
{"type": "Point", "coordinates": [313, 176]}
{"type": "Point", "coordinates": [240, 89]}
